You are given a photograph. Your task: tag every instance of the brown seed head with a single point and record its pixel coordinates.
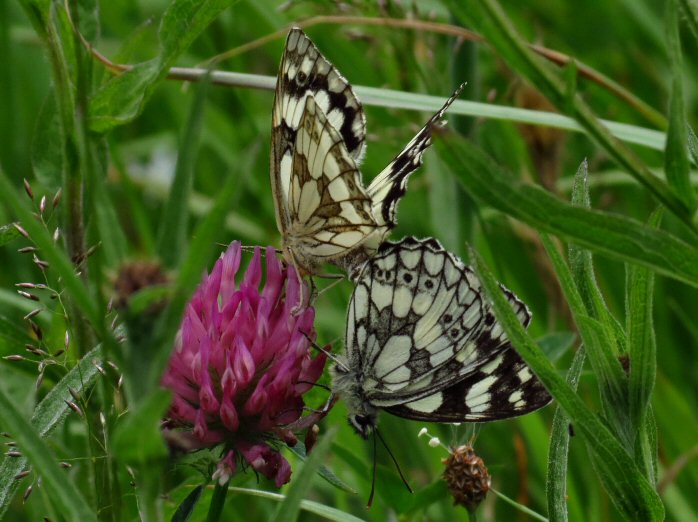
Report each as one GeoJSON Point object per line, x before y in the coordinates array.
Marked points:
{"type": "Point", "coordinates": [467, 477]}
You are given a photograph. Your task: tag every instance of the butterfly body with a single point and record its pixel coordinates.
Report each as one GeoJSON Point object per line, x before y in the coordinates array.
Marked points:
{"type": "Point", "coordinates": [422, 343]}
{"type": "Point", "coordinates": [323, 211]}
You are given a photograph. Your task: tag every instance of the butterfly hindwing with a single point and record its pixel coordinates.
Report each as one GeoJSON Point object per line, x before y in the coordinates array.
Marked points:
{"type": "Point", "coordinates": [423, 343]}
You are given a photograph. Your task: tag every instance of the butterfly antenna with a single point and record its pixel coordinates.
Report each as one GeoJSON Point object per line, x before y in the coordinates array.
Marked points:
{"type": "Point", "coordinates": [404, 480]}
{"type": "Point", "coordinates": [373, 479]}
{"type": "Point", "coordinates": [330, 355]}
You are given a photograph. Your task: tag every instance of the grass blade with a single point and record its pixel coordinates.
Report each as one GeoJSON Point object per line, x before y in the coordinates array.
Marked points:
{"type": "Point", "coordinates": [614, 235]}
{"type": "Point", "coordinates": [488, 17]}
{"type": "Point", "coordinates": [288, 510]}
{"type": "Point", "coordinates": [172, 234]}
{"type": "Point", "coordinates": [322, 510]}
{"type": "Point", "coordinates": [676, 163]}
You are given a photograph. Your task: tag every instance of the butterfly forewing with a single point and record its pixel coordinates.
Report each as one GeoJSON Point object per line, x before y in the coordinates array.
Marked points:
{"type": "Point", "coordinates": [333, 218]}
{"type": "Point", "coordinates": [329, 209]}
{"type": "Point", "coordinates": [390, 185]}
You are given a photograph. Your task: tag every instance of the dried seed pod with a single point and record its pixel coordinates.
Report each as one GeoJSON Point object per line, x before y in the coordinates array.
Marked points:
{"type": "Point", "coordinates": [25, 285]}
{"type": "Point", "coordinates": [31, 314]}
{"type": "Point", "coordinates": [27, 492]}
{"type": "Point", "coordinates": [28, 189]}
{"type": "Point", "coordinates": [74, 407]}
{"type": "Point", "coordinates": [311, 438]}
{"type": "Point", "coordinates": [20, 476]}
{"type": "Point", "coordinates": [37, 330]}
{"type": "Point", "coordinates": [27, 295]}
{"type": "Point", "coordinates": [467, 477]}
{"type": "Point", "coordinates": [57, 198]}
{"type": "Point", "coordinates": [21, 230]}
{"type": "Point", "coordinates": [13, 453]}
{"type": "Point", "coordinates": [14, 358]}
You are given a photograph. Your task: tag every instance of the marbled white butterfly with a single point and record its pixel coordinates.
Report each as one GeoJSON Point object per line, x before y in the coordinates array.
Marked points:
{"type": "Point", "coordinates": [323, 211]}
{"type": "Point", "coordinates": [422, 343]}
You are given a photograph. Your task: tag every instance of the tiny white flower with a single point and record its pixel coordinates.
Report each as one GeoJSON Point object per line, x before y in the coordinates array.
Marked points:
{"type": "Point", "coordinates": [422, 432]}
{"type": "Point", "coordinates": [434, 441]}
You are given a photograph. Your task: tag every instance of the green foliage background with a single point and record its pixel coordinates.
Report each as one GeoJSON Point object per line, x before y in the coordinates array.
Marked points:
{"type": "Point", "coordinates": [172, 170]}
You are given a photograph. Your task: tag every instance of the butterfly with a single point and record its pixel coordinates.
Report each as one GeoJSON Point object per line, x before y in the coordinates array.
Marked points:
{"type": "Point", "coordinates": [422, 343]}
{"type": "Point", "coordinates": [323, 211]}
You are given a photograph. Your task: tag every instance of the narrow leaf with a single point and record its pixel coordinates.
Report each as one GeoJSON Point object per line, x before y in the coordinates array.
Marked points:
{"type": "Point", "coordinates": [325, 472]}
{"type": "Point", "coordinates": [288, 510]}
{"type": "Point", "coordinates": [172, 234]}
{"type": "Point", "coordinates": [28, 435]}
{"type": "Point", "coordinates": [488, 17]}
{"type": "Point", "coordinates": [627, 488]}
{"type": "Point", "coordinates": [610, 234]}
{"type": "Point", "coordinates": [123, 98]}
{"type": "Point", "coordinates": [556, 479]}
{"type": "Point", "coordinates": [186, 508]}
{"type": "Point", "coordinates": [676, 163]}
{"type": "Point", "coordinates": [322, 510]}
{"type": "Point", "coordinates": [48, 414]}
{"type": "Point", "coordinates": [7, 234]}
{"type": "Point", "coordinates": [137, 437]}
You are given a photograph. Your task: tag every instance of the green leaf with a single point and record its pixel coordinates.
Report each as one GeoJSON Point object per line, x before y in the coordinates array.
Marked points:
{"type": "Point", "coordinates": [7, 234]}
{"type": "Point", "coordinates": [689, 10]}
{"type": "Point", "coordinates": [47, 415]}
{"type": "Point", "coordinates": [488, 18]}
{"type": "Point", "coordinates": [614, 235]}
{"type": "Point", "coordinates": [323, 471]}
{"type": "Point", "coordinates": [599, 343]}
{"type": "Point", "coordinates": [556, 344]}
{"type": "Point", "coordinates": [627, 488]}
{"type": "Point", "coordinates": [172, 233]}
{"type": "Point", "coordinates": [123, 98]}
{"type": "Point", "coordinates": [556, 478]}
{"type": "Point", "coordinates": [642, 352]}
{"type": "Point", "coordinates": [288, 510]}
{"type": "Point", "coordinates": [137, 436]}
{"type": "Point", "coordinates": [676, 163]}
{"type": "Point", "coordinates": [322, 510]}
{"type": "Point", "coordinates": [47, 145]}
{"type": "Point", "coordinates": [186, 508]}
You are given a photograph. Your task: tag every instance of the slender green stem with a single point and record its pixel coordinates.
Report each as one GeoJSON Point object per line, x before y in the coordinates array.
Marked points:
{"type": "Point", "coordinates": [217, 502]}
{"type": "Point", "coordinates": [518, 506]}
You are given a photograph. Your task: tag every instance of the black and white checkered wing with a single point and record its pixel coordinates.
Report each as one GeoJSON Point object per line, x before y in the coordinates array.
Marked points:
{"type": "Point", "coordinates": [328, 207]}
{"type": "Point", "coordinates": [426, 345]}
{"type": "Point", "coordinates": [305, 72]}
{"type": "Point", "coordinates": [390, 185]}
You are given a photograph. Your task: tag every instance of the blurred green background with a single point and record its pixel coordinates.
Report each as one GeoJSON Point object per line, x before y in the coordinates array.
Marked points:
{"type": "Point", "coordinates": [624, 40]}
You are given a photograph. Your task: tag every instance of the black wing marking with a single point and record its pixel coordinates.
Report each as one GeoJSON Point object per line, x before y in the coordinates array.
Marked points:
{"type": "Point", "coordinates": [389, 186]}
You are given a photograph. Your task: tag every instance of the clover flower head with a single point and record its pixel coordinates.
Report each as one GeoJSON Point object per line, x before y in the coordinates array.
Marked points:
{"type": "Point", "coordinates": [241, 364]}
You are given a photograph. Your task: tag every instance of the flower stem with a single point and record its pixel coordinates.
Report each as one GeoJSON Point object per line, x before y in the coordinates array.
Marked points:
{"type": "Point", "coordinates": [217, 502]}
{"type": "Point", "coordinates": [520, 507]}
